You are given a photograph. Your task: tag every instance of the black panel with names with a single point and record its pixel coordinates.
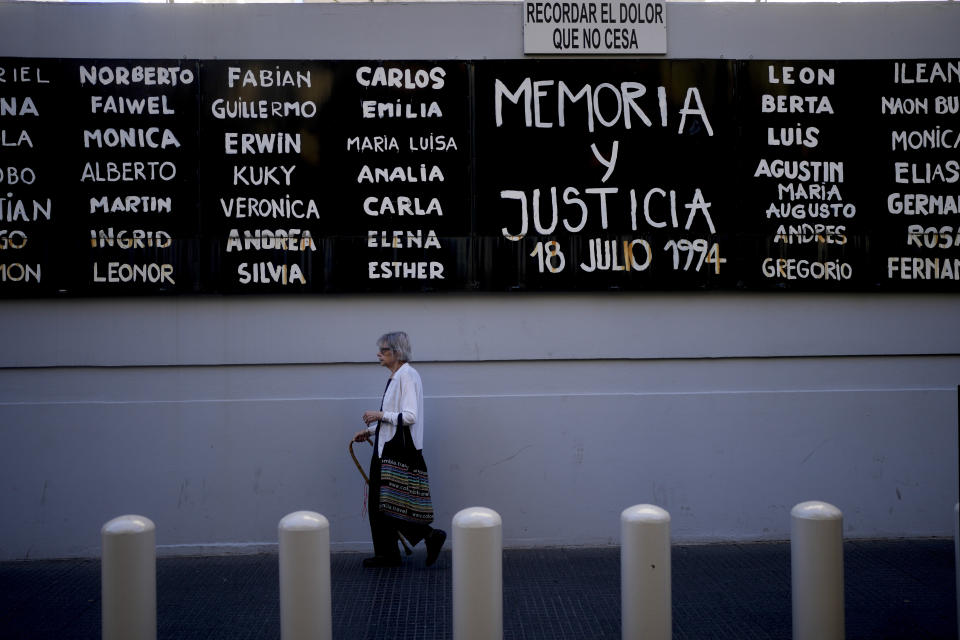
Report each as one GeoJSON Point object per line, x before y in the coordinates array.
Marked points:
{"type": "Point", "coordinates": [402, 178]}
{"type": "Point", "coordinates": [807, 175]}
{"type": "Point", "coordinates": [133, 156]}
{"type": "Point", "coordinates": [265, 179]}
{"type": "Point", "coordinates": [33, 201]}
{"type": "Point", "coordinates": [918, 243]}
{"type": "Point", "coordinates": [160, 177]}
{"type": "Point", "coordinates": [610, 176]}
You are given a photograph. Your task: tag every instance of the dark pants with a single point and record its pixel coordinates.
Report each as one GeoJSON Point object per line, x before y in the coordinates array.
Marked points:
{"type": "Point", "coordinates": [384, 528]}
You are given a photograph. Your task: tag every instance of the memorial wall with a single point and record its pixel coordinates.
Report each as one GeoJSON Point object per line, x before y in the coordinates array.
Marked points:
{"type": "Point", "coordinates": [291, 176]}
{"type": "Point", "coordinates": [721, 280]}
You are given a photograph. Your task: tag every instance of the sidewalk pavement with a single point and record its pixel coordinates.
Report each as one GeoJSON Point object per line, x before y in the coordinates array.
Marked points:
{"type": "Point", "coordinates": [895, 589]}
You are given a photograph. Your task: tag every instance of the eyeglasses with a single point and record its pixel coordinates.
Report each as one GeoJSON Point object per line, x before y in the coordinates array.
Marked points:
{"type": "Point", "coordinates": [384, 349]}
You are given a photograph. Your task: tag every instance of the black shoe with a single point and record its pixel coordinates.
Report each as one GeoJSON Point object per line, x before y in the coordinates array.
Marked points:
{"type": "Point", "coordinates": [381, 561]}
{"type": "Point", "coordinates": [434, 544]}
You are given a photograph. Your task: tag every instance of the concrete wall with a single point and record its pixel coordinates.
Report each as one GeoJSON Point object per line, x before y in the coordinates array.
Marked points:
{"type": "Point", "coordinates": [216, 416]}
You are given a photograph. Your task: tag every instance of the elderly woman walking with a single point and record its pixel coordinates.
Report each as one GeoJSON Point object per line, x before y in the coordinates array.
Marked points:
{"type": "Point", "coordinates": [399, 498]}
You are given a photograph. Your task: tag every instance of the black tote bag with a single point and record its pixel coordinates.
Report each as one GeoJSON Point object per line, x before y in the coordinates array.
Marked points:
{"type": "Point", "coordinates": [404, 485]}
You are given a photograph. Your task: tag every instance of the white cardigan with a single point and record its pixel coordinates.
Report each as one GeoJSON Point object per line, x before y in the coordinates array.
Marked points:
{"type": "Point", "coordinates": [404, 394]}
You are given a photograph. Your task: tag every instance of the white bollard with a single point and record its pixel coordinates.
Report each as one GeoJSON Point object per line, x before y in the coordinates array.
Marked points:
{"type": "Point", "coordinates": [477, 575]}
{"type": "Point", "coordinates": [816, 565]}
{"type": "Point", "coordinates": [305, 609]}
{"type": "Point", "coordinates": [128, 576]}
{"type": "Point", "coordinates": [645, 600]}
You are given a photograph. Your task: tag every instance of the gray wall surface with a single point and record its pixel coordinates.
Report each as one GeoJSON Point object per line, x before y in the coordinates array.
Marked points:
{"type": "Point", "coordinates": [216, 416]}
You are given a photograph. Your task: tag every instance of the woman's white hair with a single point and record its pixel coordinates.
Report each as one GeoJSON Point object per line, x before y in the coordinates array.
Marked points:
{"type": "Point", "coordinates": [399, 343]}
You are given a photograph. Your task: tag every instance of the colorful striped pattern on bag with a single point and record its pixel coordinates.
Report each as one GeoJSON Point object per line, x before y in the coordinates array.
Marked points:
{"type": "Point", "coordinates": [405, 492]}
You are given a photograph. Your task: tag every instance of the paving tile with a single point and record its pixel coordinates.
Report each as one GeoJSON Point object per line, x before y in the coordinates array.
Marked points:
{"type": "Point", "coordinates": [894, 590]}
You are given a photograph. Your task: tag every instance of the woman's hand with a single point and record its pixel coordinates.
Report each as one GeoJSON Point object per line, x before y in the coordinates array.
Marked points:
{"type": "Point", "coordinates": [369, 417]}
{"type": "Point", "coordinates": [361, 436]}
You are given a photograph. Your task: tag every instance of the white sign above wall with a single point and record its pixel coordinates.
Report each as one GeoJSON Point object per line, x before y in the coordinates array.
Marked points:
{"type": "Point", "coordinates": [594, 27]}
